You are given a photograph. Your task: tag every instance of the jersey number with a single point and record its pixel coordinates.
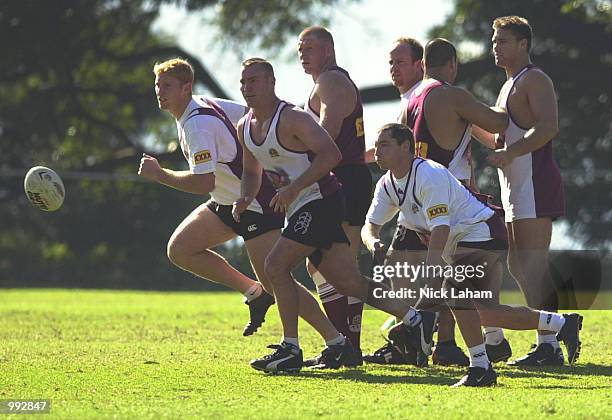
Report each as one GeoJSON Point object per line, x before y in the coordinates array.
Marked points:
{"type": "Point", "coordinates": [359, 127]}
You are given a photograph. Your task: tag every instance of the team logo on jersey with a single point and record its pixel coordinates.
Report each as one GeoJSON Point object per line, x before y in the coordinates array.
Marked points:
{"type": "Point", "coordinates": [202, 157]}
{"type": "Point", "coordinates": [273, 152]}
{"type": "Point", "coordinates": [436, 211]}
{"type": "Point", "coordinates": [278, 177]}
{"type": "Point", "coordinates": [420, 149]}
{"type": "Point", "coordinates": [415, 208]}
{"type": "Point", "coordinates": [303, 223]}
{"type": "Point", "coordinates": [359, 127]}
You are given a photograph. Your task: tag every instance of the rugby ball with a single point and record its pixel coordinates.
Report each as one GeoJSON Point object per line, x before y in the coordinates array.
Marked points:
{"type": "Point", "coordinates": [44, 188]}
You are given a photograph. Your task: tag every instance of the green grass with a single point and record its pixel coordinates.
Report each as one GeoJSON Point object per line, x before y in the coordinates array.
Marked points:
{"type": "Point", "coordinates": [103, 354]}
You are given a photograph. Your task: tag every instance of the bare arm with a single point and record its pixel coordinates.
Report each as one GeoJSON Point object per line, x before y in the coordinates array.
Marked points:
{"type": "Point", "coordinates": [251, 177]}
{"type": "Point", "coordinates": [493, 120]}
{"type": "Point", "coordinates": [338, 97]}
{"type": "Point", "coordinates": [543, 105]}
{"type": "Point", "coordinates": [315, 139]}
{"type": "Point", "coordinates": [484, 137]}
{"type": "Point", "coordinates": [179, 180]}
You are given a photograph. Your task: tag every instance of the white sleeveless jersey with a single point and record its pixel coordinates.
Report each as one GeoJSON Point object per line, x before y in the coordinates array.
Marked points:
{"type": "Point", "coordinates": [281, 165]}
{"type": "Point", "coordinates": [429, 196]}
{"type": "Point", "coordinates": [531, 186]}
{"type": "Point", "coordinates": [210, 146]}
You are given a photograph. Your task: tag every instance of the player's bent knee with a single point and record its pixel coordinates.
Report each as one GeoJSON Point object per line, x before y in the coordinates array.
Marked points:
{"type": "Point", "coordinates": [275, 268]}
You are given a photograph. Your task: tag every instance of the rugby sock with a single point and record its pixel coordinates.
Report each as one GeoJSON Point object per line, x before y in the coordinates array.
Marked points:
{"type": "Point", "coordinates": [493, 335]}
{"type": "Point", "coordinates": [550, 321]}
{"type": "Point", "coordinates": [340, 339]}
{"type": "Point", "coordinates": [334, 304]}
{"type": "Point", "coordinates": [354, 311]}
{"type": "Point", "coordinates": [253, 292]}
{"type": "Point", "coordinates": [550, 339]}
{"type": "Point", "coordinates": [291, 340]}
{"type": "Point", "coordinates": [478, 356]}
{"type": "Point", "coordinates": [411, 318]}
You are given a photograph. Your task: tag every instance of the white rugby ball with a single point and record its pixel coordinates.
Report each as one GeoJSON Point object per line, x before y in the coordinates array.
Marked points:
{"type": "Point", "coordinates": [44, 188]}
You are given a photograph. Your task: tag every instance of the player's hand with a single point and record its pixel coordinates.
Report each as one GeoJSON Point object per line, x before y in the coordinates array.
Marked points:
{"type": "Point", "coordinates": [239, 207]}
{"type": "Point", "coordinates": [149, 167]}
{"type": "Point", "coordinates": [283, 199]}
{"type": "Point", "coordinates": [500, 158]}
{"type": "Point", "coordinates": [378, 252]}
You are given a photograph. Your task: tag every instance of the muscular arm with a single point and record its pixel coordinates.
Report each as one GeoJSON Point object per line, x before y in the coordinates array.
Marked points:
{"type": "Point", "coordinates": [493, 120]}
{"type": "Point", "coordinates": [251, 170]}
{"type": "Point", "coordinates": [316, 140]}
{"type": "Point", "coordinates": [543, 106]}
{"type": "Point", "coordinates": [312, 137]}
{"type": "Point", "coordinates": [337, 97]}
{"type": "Point", "coordinates": [484, 137]}
{"type": "Point", "coordinates": [179, 180]}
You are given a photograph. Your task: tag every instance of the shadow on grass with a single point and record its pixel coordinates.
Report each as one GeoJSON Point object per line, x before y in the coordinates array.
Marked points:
{"type": "Point", "coordinates": [435, 375]}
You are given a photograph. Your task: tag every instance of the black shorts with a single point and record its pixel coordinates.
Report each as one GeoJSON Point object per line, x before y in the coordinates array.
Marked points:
{"type": "Point", "coordinates": [319, 223]}
{"type": "Point", "coordinates": [356, 183]}
{"type": "Point", "coordinates": [405, 239]}
{"type": "Point", "coordinates": [252, 224]}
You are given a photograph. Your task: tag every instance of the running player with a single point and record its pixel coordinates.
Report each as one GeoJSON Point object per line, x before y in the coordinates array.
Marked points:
{"type": "Point", "coordinates": [463, 233]}
{"type": "Point", "coordinates": [530, 181]}
{"type": "Point", "coordinates": [294, 150]}
{"type": "Point", "coordinates": [334, 102]}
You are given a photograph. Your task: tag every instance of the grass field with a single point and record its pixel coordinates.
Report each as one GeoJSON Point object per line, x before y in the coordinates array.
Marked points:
{"type": "Point", "coordinates": [103, 354]}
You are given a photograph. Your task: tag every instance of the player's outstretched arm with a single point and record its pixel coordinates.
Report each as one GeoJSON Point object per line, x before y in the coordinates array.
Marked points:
{"type": "Point", "coordinates": [179, 180]}
{"type": "Point", "coordinates": [493, 120]}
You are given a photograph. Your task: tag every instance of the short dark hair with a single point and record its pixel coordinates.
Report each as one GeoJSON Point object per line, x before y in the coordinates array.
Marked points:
{"type": "Point", "coordinates": [415, 47]}
{"type": "Point", "coordinates": [438, 52]}
{"type": "Point", "coordinates": [319, 32]}
{"type": "Point", "coordinates": [519, 26]}
{"type": "Point", "coordinates": [259, 61]}
{"type": "Point", "coordinates": [400, 132]}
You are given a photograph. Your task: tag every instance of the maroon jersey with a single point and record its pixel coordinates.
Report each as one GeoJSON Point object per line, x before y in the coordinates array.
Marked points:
{"type": "Point", "coordinates": [351, 140]}
{"type": "Point", "coordinates": [457, 160]}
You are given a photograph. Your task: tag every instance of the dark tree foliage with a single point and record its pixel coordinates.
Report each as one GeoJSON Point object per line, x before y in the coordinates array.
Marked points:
{"type": "Point", "coordinates": [76, 94]}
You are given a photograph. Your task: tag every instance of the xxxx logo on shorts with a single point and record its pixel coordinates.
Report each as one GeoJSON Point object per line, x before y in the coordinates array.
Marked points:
{"type": "Point", "coordinates": [202, 157]}
{"type": "Point", "coordinates": [436, 211]}
{"type": "Point", "coordinates": [303, 223]}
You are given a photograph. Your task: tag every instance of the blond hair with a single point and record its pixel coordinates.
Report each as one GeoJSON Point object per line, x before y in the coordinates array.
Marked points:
{"type": "Point", "coordinates": [176, 67]}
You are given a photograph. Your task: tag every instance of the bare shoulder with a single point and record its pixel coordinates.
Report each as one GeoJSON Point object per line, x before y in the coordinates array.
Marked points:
{"type": "Point", "coordinates": [535, 78]}
{"type": "Point", "coordinates": [295, 115]}
{"type": "Point", "coordinates": [240, 126]}
{"type": "Point", "coordinates": [333, 80]}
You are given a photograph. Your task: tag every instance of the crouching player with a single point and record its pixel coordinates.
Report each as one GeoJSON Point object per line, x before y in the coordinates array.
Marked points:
{"type": "Point", "coordinates": [463, 232]}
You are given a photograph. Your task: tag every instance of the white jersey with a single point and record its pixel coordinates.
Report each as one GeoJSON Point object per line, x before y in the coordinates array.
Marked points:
{"type": "Point", "coordinates": [283, 166]}
{"type": "Point", "coordinates": [232, 109]}
{"type": "Point", "coordinates": [429, 196]}
{"type": "Point", "coordinates": [209, 143]}
{"type": "Point", "coordinates": [531, 186]}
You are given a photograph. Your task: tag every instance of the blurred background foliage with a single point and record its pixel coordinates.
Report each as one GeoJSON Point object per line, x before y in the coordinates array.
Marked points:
{"type": "Point", "coordinates": [76, 94]}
